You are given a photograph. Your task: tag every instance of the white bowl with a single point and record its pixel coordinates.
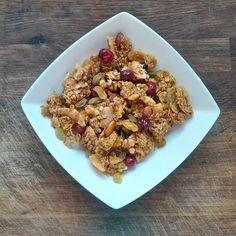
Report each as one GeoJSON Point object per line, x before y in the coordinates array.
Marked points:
{"type": "Point", "coordinates": [180, 142]}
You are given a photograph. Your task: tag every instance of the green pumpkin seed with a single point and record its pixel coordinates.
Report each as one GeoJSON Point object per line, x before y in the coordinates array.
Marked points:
{"type": "Point", "coordinates": [98, 77]}
{"type": "Point", "coordinates": [81, 103]}
{"type": "Point", "coordinates": [94, 101]}
{"type": "Point", "coordinates": [132, 118]}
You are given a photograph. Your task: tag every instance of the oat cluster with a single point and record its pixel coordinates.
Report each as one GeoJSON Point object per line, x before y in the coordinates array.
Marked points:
{"type": "Point", "coordinates": [117, 107]}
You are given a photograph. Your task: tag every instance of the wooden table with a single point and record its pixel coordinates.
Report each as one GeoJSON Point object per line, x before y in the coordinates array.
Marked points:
{"type": "Point", "coordinates": [37, 197]}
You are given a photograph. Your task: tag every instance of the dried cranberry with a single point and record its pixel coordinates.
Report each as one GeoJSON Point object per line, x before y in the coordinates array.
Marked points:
{"type": "Point", "coordinates": [93, 93]}
{"type": "Point", "coordinates": [151, 88]}
{"type": "Point", "coordinates": [106, 55]}
{"type": "Point", "coordinates": [130, 160]}
{"type": "Point", "coordinates": [143, 124]}
{"type": "Point", "coordinates": [126, 75]}
{"type": "Point", "coordinates": [78, 128]}
{"type": "Point", "coordinates": [119, 38]}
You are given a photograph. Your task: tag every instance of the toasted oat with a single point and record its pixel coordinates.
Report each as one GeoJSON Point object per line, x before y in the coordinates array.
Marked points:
{"type": "Point", "coordinates": [122, 119]}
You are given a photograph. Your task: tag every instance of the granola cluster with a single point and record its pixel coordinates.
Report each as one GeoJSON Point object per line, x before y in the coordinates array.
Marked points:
{"type": "Point", "coordinates": [117, 107]}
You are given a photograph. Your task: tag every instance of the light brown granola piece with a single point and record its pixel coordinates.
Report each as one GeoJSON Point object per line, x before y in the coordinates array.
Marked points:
{"type": "Point", "coordinates": [139, 55]}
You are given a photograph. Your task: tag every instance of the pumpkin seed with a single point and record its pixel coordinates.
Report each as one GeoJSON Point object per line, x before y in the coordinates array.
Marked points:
{"type": "Point", "coordinates": [132, 118]}
{"type": "Point", "coordinates": [97, 78]}
{"type": "Point", "coordinates": [81, 103]}
{"type": "Point", "coordinates": [94, 101]}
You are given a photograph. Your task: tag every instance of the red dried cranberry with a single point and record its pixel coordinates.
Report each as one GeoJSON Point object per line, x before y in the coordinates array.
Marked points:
{"type": "Point", "coordinates": [151, 88]}
{"type": "Point", "coordinates": [78, 128]}
{"type": "Point", "coordinates": [106, 55]}
{"type": "Point", "coordinates": [126, 75]}
{"type": "Point", "coordinates": [119, 38]}
{"type": "Point", "coordinates": [130, 160]}
{"type": "Point", "coordinates": [143, 124]}
{"type": "Point", "coordinates": [93, 93]}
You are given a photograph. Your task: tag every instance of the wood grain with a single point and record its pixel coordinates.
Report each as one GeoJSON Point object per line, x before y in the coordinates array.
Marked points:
{"type": "Point", "coordinates": [37, 197]}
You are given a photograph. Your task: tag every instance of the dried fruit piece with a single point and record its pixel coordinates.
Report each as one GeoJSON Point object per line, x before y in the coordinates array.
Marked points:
{"type": "Point", "coordinates": [130, 125]}
{"type": "Point", "coordinates": [60, 133]}
{"type": "Point", "coordinates": [151, 88]}
{"type": "Point", "coordinates": [101, 92]}
{"type": "Point", "coordinates": [127, 75]}
{"type": "Point", "coordinates": [78, 128]}
{"type": "Point", "coordinates": [119, 38]}
{"type": "Point", "coordinates": [110, 128]}
{"type": "Point", "coordinates": [144, 124]}
{"type": "Point", "coordinates": [106, 55]}
{"type": "Point", "coordinates": [93, 93]}
{"type": "Point", "coordinates": [130, 160]}
{"type": "Point", "coordinates": [117, 178]}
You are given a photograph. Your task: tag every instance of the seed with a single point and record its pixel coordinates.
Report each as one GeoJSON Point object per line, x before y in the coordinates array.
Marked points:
{"type": "Point", "coordinates": [109, 129]}
{"type": "Point", "coordinates": [132, 118]}
{"type": "Point", "coordinates": [81, 103]}
{"type": "Point", "coordinates": [101, 92]}
{"type": "Point", "coordinates": [94, 101]}
{"type": "Point", "coordinates": [97, 78]}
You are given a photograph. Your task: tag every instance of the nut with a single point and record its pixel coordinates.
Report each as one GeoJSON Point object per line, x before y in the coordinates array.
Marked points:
{"type": "Point", "coordinates": [148, 111]}
{"type": "Point", "coordinates": [110, 128]}
{"type": "Point", "coordinates": [133, 97]}
{"type": "Point", "coordinates": [95, 160]}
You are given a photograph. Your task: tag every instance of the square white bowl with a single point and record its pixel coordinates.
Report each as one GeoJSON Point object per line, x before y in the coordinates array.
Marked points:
{"type": "Point", "coordinates": [180, 142]}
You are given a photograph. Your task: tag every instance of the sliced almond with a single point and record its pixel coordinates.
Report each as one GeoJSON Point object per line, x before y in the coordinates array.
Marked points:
{"type": "Point", "coordinates": [95, 160]}
{"type": "Point", "coordinates": [73, 114]}
{"type": "Point", "coordinates": [110, 128]}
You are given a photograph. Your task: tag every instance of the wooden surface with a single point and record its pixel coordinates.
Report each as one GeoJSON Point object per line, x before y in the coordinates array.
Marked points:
{"type": "Point", "coordinates": [37, 197]}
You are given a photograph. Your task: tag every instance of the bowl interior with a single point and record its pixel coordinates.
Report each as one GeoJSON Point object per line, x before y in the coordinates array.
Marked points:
{"type": "Point", "coordinates": [180, 142]}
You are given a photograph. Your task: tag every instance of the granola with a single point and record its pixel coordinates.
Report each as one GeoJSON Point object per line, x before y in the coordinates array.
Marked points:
{"type": "Point", "coordinates": [117, 107]}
